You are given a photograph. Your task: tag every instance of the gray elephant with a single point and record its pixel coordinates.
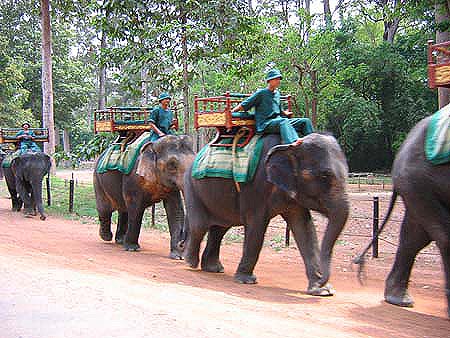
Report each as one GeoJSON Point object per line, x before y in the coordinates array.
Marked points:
{"type": "Point", "coordinates": [157, 175]}
{"type": "Point", "coordinates": [290, 182]}
{"type": "Point", "coordinates": [425, 190]}
{"type": "Point", "coordinates": [24, 180]}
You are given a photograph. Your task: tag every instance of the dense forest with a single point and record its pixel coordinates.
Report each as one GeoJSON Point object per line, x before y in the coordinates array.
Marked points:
{"type": "Point", "coordinates": [357, 68]}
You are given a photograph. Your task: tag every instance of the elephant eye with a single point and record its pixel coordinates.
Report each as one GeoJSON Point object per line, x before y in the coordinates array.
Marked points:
{"type": "Point", "coordinates": [172, 165]}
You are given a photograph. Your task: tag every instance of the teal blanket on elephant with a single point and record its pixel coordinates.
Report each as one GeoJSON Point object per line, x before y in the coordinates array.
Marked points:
{"type": "Point", "coordinates": [115, 159]}
{"type": "Point", "coordinates": [221, 162]}
{"type": "Point", "coordinates": [437, 140]}
{"type": "Point", "coordinates": [11, 156]}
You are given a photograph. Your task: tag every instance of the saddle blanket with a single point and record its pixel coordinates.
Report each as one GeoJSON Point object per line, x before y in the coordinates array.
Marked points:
{"type": "Point", "coordinates": [11, 156]}
{"type": "Point", "coordinates": [437, 139]}
{"type": "Point", "coordinates": [221, 162]}
{"type": "Point", "coordinates": [115, 159]}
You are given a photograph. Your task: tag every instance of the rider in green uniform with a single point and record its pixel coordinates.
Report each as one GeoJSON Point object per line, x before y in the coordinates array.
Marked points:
{"type": "Point", "coordinates": [161, 118]}
{"type": "Point", "coordinates": [268, 112]}
{"type": "Point", "coordinates": [25, 137]}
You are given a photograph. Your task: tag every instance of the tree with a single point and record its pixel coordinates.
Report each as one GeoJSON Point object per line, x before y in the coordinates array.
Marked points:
{"type": "Point", "coordinates": [47, 81]}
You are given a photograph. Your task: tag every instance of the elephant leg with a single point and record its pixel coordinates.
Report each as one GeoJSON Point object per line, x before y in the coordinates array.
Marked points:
{"type": "Point", "coordinates": [210, 256]}
{"type": "Point", "coordinates": [24, 195]}
{"type": "Point", "coordinates": [135, 214]}
{"type": "Point", "coordinates": [175, 217]}
{"type": "Point", "coordinates": [413, 238]}
{"type": "Point", "coordinates": [122, 227]}
{"type": "Point", "coordinates": [16, 201]}
{"type": "Point", "coordinates": [300, 222]}
{"type": "Point", "coordinates": [253, 242]}
{"type": "Point", "coordinates": [195, 238]}
{"type": "Point", "coordinates": [104, 216]}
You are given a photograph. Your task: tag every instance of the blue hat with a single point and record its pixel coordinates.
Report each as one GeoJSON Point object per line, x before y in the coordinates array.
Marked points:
{"type": "Point", "coordinates": [164, 96]}
{"type": "Point", "coordinates": [273, 74]}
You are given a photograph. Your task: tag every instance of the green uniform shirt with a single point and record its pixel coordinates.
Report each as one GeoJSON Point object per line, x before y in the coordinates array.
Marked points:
{"type": "Point", "coordinates": [162, 118]}
{"type": "Point", "coordinates": [267, 107]}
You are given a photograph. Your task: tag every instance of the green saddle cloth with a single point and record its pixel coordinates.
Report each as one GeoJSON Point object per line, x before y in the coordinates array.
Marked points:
{"type": "Point", "coordinates": [437, 140]}
{"type": "Point", "coordinates": [114, 159]}
{"type": "Point", "coordinates": [219, 161]}
{"type": "Point", "coordinates": [11, 156]}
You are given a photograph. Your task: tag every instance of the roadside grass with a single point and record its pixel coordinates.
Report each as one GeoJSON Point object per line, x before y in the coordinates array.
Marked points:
{"type": "Point", "coordinates": [84, 208]}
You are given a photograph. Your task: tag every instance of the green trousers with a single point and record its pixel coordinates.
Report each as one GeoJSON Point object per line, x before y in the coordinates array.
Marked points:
{"type": "Point", "coordinates": [289, 128]}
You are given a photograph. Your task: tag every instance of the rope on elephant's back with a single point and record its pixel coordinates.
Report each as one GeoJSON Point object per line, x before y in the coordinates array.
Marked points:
{"type": "Point", "coordinates": [240, 133]}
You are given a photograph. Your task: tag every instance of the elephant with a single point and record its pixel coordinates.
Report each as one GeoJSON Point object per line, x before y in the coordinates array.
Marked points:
{"type": "Point", "coordinates": [157, 175]}
{"type": "Point", "coordinates": [24, 180]}
{"type": "Point", "coordinates": [425, 190]}
{"type": "Point", "coordinates": [289, 181]}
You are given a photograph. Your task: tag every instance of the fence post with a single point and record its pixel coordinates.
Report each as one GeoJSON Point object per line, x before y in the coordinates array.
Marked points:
{"type": "Point", "coordinates": [153, 215]}
{"type": "Point", "coordinates": [71, 191]}
{"type": "Point", "coordinates": [49, 198]}
{"type": "Point", "coordinates": [376, 209]}
{"type": "Point", "coordinates": [288, 235]}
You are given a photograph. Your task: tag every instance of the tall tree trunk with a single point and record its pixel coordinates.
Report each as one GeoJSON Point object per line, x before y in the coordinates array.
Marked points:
{"type": "Point", "coordinates": [327, 13]}
{"type": "Point", "coordinates": [47, 84]}
{"type": "Point", "coordinates": [144, 86]}
{"type": "Point", "coordinates": [315, 92]}
{"type": "Point", "coordinates": [66, 140]}
{"type": "Point", "coordinates": [442, 14]}
{"type": "Point", "coordinates": [390, 28]}
{"type": "Point", "coordinates": [185, 74]}
{"type": "Point", "coordinates": [102, 76]}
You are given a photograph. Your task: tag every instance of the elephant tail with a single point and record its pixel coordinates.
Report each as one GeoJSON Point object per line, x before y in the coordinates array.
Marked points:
{"type": "Point", "coordinates": [361, 260]}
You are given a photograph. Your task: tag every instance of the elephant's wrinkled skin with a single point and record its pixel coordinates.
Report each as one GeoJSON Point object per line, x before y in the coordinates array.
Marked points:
{"type": "Point", "coordinates": [290, 182]}
{"type": "Point", "coordinates": [24, 181]}
{"type": "Point", "coordinates": [425, 190]}
{"type": "Point", "coordinates": [157, 175]}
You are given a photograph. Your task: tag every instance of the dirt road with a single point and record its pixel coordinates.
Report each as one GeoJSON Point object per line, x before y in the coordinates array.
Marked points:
{"type": "Point", "coordinates": [58, 279]}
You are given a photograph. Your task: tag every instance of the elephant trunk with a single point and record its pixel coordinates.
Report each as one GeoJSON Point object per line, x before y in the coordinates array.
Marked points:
{"type": "Point", "coordinates": [337, 217]}
{"type": "Point", "coordinates": [175, 217]}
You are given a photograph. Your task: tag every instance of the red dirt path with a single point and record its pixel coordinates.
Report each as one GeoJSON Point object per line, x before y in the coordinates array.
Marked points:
{"type": "Point", "coordinates": [58, 279]}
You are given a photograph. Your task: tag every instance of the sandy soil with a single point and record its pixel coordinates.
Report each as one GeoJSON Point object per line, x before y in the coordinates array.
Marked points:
{"type": "Point", "coordinates": [58, 279]}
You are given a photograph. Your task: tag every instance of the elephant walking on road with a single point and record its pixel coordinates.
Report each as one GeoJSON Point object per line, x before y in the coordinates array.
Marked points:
{"type": "Point", "coordinates": [290, 182]}
{"type": "Point", "coordinates": [425, 190]}
{"type": "Point", "coordinates": [157, 175]}
{"type": "Point", "coordinates": [24, 180]}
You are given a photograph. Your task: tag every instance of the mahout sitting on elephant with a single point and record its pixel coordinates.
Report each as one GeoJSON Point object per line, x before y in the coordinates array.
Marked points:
{"type": "Point", "coordinates": [425, 191]}
{"type": "Point", "coordinates": [291, 181]}
{"type": "Point", "coordinates": [156, 175]}
{"type": "Point", "coordinates": [24, 177]}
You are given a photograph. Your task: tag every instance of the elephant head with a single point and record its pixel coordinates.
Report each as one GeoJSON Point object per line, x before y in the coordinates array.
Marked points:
{"type": "Point", "coordinates": [313, 175]}
{"type": "Point", "coordinates": [162, 163]}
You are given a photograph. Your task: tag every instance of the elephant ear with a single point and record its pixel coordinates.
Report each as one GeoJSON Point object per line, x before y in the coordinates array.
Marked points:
{"type": "Point", "coordinates": [146, 167]}
{"type": "Point", "coordinates": [281, 169]}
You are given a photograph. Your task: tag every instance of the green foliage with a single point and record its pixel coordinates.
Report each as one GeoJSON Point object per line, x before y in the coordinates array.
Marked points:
{"type": "Point", "coordinates": [86, 150]}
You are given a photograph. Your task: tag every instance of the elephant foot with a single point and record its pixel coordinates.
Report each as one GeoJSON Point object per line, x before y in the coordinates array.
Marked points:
{"type": "Point", "coordinates": [43, 217]}
{"type": "Point", "coordinates": [402, 299]}
{"type": "Point", "coordinates": [216, 267]}
{"type": "Point", "coordinates": [120, 239]}
{"type": "Point", "coordinates": [27, 214]}
{"type": "Point", "coordinates": [174, 254]}
{"type": "Point", "coordinates": [321, 291]}
{"type": "Point", "coordinates": [105, 235]}
{"type": "Point", "coordinates": [131, 247]}
{"type": "Point", "coordinates": [242, 278]}
{"type": "Point", "coordinates": [191, 261]}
